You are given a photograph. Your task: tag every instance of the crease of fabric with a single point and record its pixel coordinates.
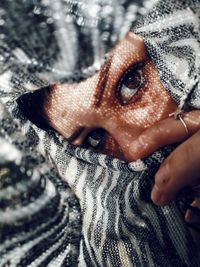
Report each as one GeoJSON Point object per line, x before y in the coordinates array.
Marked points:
{"type": "Point", "coordinates": [66, 206]}
{"type": "Point", "coordinates": [40, 220]}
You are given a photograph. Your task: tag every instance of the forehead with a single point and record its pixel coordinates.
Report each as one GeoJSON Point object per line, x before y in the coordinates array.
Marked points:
{"type": "Point", "coordinates": [131, 45]}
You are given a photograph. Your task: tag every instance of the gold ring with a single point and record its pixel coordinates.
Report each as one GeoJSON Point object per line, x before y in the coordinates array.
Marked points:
{"type": "Point", "coordinates": [178, 115]}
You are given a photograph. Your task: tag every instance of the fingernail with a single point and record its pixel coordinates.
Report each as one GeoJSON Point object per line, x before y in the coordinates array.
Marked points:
{"type": "Point", "coordinates": [163, 174]}
{"type": "Point", "coordinates": [157, 197]}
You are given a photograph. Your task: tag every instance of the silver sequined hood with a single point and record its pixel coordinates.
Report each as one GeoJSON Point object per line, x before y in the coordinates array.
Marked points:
{"type": "Point", "coordinates": [116, 223]}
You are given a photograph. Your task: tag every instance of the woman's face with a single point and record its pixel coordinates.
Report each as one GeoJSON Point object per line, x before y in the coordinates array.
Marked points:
{"type": "Point", "coordinates": [124, 98]}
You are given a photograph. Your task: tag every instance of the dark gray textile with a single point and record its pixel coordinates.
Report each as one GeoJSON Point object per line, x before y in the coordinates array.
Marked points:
{"type": "Point", "coordinates": [172, 36]}
{"type": "Point", "coordinates": [40, 220]}
{"type": "Point", "coordinates": [43, 178]}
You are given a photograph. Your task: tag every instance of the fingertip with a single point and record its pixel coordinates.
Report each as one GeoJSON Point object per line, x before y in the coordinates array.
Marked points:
{"type": "Point", "coordinates": [162, 176]}
{"type": "Point", "coordinates": [162, 192]}
{"type": "Point", "coordinates": [158, 197]}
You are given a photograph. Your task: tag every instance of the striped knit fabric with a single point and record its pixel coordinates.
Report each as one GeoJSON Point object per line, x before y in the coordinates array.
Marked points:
{"type": "Point", "coordinates": [40, 220]}
{"type": "Point", "coordinates": [44, 179]}
{"type": "Point", "coordinates": [172, 35]}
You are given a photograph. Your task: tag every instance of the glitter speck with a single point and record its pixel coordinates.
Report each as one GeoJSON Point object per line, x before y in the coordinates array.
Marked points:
{"type": "Point", "coordinates": [36, 10]}
{"type": "Point", "coordinates": [2, 22]}
{"type": "Point", "coordinates": [49, 20]}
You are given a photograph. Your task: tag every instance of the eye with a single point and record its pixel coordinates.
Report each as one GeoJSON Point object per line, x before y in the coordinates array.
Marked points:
{"type": "Point", "coordinates": [129, 84]}
{"type": "Point", "coordinates": [94, 139]}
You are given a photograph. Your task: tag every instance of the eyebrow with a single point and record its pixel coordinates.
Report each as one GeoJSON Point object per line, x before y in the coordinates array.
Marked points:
{"type": "Point", "coordinates": [101, 86]}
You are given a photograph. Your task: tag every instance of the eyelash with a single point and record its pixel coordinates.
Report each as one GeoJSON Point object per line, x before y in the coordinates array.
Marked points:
{"type": "Point", "coordinates": [137, 68]}
{"type": "Point", "coordinates": [96, 136]}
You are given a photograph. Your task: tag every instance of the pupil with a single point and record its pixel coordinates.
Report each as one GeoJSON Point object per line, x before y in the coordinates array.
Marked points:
{"type": "Point", "coordinates": [133, 81]}
{"type": "Point", "coordinates": [97, 134]}
{"type": "Point", "coordinates": [95, 137]}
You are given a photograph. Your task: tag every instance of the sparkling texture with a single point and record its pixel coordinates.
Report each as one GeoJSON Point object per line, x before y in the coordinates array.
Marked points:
{"type": "Point", "coordinates": [63, 65]}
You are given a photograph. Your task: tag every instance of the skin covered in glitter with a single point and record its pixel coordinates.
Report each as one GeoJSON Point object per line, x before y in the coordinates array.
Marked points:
{"type": "Point", "coordinates": [98, 101]}
{"type": "Point", "coordinates": [75, 110]}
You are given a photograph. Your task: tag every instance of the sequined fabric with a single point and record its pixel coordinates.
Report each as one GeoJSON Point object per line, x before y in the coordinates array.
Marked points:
{"type": "Point", "coordinates": [44, 178]}
{"type": "Point", "coordinates": [40, 219]}
{"type": "Point", "coordinates": [171, 33]}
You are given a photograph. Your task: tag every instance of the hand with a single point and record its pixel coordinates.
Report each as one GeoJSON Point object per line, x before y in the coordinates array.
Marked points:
{"type": "Point", "coordinates": [182, 168]}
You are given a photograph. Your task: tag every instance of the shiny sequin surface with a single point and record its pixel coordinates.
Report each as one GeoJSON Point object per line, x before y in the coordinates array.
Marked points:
{"type": "Point", "coordinates": [80, 80]}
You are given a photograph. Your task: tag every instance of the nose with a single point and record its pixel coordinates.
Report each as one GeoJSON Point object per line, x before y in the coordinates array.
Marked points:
{"type": "Point", "coordinates": [124, 134]}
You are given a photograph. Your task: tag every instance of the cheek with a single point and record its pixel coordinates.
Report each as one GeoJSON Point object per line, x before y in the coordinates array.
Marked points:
{"type": "Point", "coordinates": [138, 118]}
{"type": "Point", "coordinates": [155, 103]}
{"type": "Point", "coordinates": [125, 126]}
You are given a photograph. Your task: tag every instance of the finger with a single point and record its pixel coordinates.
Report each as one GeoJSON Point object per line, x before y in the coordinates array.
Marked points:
{"type": "Point", "coordinates": [165, 132]}
{"type": "Point", "coordinates": [181, 169]}
{"type": "Point", "coordinates": [192, 218]}
{"type": "Point", "coordinates": [193, 214]}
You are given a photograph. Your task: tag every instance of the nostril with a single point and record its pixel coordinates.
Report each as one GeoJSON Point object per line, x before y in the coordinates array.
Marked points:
{"type": "Point", "coordinates": [32, 104]}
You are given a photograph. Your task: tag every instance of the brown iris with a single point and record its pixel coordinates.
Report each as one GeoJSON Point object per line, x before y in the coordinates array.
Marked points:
{"type": "Point", "coordinates": [129, 84]}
